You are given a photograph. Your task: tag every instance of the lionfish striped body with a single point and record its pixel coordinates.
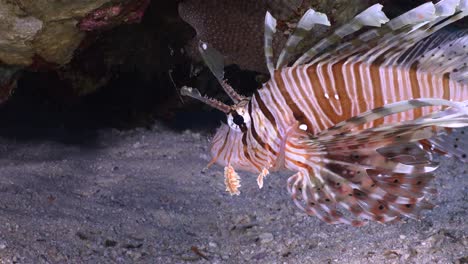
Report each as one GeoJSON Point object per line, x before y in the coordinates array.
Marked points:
{"type": "Point", "coordinates": [357, 121]}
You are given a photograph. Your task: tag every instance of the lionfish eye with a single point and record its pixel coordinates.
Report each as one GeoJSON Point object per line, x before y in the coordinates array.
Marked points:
{"type": "Point", "coordinates": [238, 119]}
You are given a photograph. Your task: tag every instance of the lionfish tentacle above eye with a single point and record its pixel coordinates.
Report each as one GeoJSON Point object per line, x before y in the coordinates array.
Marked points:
{"type": "Point", "coordinates": [357, 117]}
{"type": "Point", "coordinates": [194, 93]}
{"type": "Point", "coordinates": [215, 62]}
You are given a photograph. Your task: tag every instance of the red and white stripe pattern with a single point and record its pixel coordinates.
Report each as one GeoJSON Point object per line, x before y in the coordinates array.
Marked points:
{"type": "Point", "coordinates": [357, 121]}
{"type": "Point", "coordinates": [321, 95]}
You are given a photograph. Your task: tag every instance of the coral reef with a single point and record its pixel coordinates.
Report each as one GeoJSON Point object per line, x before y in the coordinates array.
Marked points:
{"type": "Point", "coordinates": [112, 14]}
{"type": "Point", "coordinates": [127, 67]}
{"type": "Point", "coordinates": [44, 35]}
{"type": "Point", "coordinates": [17, 31]}
{"type": "Point", "coordinates": [53, 29]}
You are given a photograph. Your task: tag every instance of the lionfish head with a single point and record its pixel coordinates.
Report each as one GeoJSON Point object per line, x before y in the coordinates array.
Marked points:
{"type": "Point", "coordinates": [228, 146]}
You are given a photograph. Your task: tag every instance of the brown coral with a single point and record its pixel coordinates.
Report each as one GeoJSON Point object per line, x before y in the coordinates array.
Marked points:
{"type": "Point", "coordinates": [17, 30]}
{"type": "Point", "coordinates": [48, 28]}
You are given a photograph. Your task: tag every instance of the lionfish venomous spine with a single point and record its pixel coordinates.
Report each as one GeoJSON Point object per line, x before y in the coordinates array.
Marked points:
{"type": "Point", "coordinates": [358, 119]}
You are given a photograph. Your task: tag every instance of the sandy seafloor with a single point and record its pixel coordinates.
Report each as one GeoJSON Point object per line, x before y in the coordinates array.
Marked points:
{"type": "Point", "coordinates": [139, 197]}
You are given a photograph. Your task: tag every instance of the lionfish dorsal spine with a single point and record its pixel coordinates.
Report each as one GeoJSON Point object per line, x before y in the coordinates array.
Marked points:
{"type": "Point", "coordinates": [303, 28]}
{"type": "Point", "coordinates": [270, 30]}
{"type": "Point", "coordinates": [372, 16]}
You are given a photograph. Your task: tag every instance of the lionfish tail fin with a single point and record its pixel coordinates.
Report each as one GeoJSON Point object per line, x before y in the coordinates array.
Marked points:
{"type": "Point", "coordinates": [379, 173]}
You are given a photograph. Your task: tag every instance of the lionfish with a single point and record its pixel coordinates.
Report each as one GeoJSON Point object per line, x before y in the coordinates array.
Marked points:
{"type": "Point", "coordinates": [357, 117]}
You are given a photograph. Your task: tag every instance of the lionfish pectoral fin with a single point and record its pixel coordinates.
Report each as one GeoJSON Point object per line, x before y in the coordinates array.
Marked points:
{"type": "Point", "coordinates": [232, 180]}
{"type": "Point", "coordinates": [454, 116]}
{"type": "Point", "coordinates": [454, 141]}
{"type": "Point", "coordinates": [352, 182]}
{"type": "Point", "coordinates": [313, 200]}
{"type": "Point", "coordinates": [378, 173]}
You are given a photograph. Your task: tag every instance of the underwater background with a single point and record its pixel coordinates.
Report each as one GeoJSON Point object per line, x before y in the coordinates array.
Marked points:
{"type": "Point", "coordinates": [101, 158]}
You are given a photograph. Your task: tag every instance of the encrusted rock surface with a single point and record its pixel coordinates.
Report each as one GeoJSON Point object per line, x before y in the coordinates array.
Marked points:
{"type": "Point", "coordinates": [111, 14]}
{"type": "Point", "coordinates": [45, 35]}
{"type": "Point", "coordinates": [17, 31]}
{"type": "Point", "coordinates": [47, 28]}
